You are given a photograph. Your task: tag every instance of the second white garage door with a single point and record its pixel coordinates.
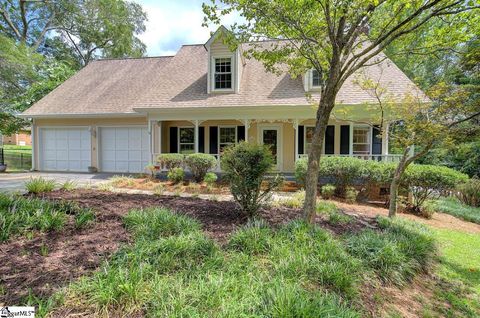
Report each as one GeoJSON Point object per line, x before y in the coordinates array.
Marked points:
{"type": "Point", "coordinates": [123, 149]}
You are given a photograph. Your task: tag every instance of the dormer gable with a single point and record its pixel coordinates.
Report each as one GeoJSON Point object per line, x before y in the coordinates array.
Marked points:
{"type": "Point", "coordinates": [225, 66]}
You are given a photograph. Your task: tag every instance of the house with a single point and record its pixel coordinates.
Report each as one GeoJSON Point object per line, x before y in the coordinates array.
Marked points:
{"type": "Point", "coordinates": [118, 114]}
{"type": "Point", "coordinates": [22, 138]}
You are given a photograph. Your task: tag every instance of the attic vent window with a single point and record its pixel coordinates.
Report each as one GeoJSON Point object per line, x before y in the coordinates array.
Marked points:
{"type": "Point", "coordinates": [223, 73]}
{"type": "Point", "coordinates": [316, 79]}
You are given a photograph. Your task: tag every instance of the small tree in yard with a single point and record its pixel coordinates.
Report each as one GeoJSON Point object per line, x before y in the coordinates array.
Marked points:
{"type": "Point", "coordinates": [245, 167]}
{"type": "Point", "coordinates": [334, 37]}
{"type": "Point", "coordinates": [422, 125]}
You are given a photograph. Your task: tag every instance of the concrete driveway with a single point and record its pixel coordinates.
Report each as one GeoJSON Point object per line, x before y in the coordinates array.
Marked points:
{"type": "Point", "coordinates": [12, 182]}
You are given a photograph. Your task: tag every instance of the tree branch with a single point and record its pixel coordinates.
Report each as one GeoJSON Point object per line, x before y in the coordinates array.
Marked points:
{"type": "Point", "coordinates": [12, 26]}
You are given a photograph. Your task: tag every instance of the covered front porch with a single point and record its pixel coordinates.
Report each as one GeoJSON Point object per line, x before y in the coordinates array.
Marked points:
{"type": "Point", "coordinates": [288, 138]}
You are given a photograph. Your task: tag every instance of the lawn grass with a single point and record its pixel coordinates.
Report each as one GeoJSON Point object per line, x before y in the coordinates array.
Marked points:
{"type": "Point", "coordinates": [18, 149]}
{"type": "Point", "coordinates": [454, 207]}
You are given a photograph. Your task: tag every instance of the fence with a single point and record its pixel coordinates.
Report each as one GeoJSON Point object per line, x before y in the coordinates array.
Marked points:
{"type": "Point", "coordinates": [17, 160]}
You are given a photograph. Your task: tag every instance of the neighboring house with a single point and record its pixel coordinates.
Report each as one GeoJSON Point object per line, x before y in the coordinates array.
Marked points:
{"type": "Point", "coordinates": [117, 115]}
{"type": "Point", "coordinates": [22, 138]}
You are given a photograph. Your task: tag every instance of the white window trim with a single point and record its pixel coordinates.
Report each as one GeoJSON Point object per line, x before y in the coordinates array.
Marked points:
{"type": "Point", "coordinates": [279, 127]}
{"type": "Point", "coordinates": [352, 127]}
{"type": "Point", "coordinates": [309, 81]}
{"type": "Point", "coordinates": [305, 139]}
{"type": "Point", "coordinates": [185, 143]}
{"type": "Point", "coordinates": [212, 73]}
{"type": "Point", "coordinates": [218, 137]}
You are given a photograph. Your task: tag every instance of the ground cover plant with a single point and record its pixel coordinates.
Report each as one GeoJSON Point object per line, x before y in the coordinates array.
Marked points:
{"type": "Point", "coordinates": [40, 185]}
{"type": "Point", "coordinates": [21, 215]}
{"type": "Point", "coordinates": [172, 269]}
{"type": "Point", "coordinates": [453, 206]}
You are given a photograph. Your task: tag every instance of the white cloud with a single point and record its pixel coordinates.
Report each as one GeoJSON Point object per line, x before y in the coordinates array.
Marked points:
{"type": "Point", "coordinates": [174, 23]}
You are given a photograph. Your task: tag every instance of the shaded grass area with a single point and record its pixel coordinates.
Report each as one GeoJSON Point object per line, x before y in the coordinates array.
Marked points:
{"type": "Point", "coordinates": [297, 270]}
{"type": "Point", "coordinates": [454, 207]}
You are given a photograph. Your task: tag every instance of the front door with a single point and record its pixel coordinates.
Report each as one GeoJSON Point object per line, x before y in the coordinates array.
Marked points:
{"type": "Point", "coordinates": [270, 135]}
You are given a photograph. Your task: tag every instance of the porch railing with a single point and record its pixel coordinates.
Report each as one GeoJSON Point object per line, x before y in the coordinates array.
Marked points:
{"type": "Point", "coordinates": [384, 158]}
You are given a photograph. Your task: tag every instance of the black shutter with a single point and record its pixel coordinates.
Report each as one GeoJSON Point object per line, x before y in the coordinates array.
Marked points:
{"type": "Point", "coordinates": [376, 141]}
{"type": "Point", "coordinates": [330, 140]}
{"type": "Point", "coordinates": [300, 140]}
{"type": "Point", "coordinates": [201, 139]}
{"type": "Point", "coordinates": [240, 133]}
{"type": "Point", "coordinates": [173, 140]}
{"type": "Point", "coordinates": [214, 140]}
{"type": "Point", "coordinates": [345, 139]}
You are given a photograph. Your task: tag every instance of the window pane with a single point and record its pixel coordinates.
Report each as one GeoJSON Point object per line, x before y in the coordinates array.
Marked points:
{"type": "Point", "coordinates": [227, 135]}
{"type": "Point", "coordinates": [361, 140]}
{"type": "Point", "coordinates": [187, 148]}
{"type": "Point", "coordinates": [187, 135]}
{"type": "Point", "coordinates": [223, 73]}
{"type": "Point", "coordinates": [316, 78]}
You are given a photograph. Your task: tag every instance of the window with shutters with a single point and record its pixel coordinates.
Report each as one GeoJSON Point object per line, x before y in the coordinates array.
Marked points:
{"type": "Point", "coordinates": [362, 139]}
{"type": "Point", "coordinates": [226, 136]}
{"type": "Point", "coordinates": [309, 130]}
{"type": "Point", "coordinates": [186, 140]}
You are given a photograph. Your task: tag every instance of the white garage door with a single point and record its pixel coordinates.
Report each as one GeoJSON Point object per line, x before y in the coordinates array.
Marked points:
{"type": "Point", "coordinates": [65, 149]}
{"type": "Point", "coordinates": [124, 149]}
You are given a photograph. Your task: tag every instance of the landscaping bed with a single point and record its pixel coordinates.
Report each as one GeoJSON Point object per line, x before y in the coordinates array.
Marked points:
{"type": "Point", "coordinates": [71, 253]}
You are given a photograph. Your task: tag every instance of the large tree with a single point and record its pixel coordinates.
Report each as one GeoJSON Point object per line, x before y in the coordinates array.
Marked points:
{"type": "Point", "coordinates": [335, 37]}
{"type": "Point", "coordinates": [89, 27]}
{"type": "Point", "coordinates": [43, 41]}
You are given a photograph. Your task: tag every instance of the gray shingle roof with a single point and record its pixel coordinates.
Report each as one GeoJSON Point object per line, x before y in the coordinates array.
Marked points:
{"type": "Point", "coordinates": [119, 86]}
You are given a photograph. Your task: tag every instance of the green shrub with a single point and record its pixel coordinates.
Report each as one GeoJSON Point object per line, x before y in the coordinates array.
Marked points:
{"type": "Point", "coordinates": [210, 178]}
{"type": "Point", "coordinates": [40, 185]}
{"type": "Point", "coordinates": [170, 161]}
{"type": "Point", "coordinates": [428, 181]}
{"type": "Point", "coordinates": [452, 206]}
{"type": "Point", "coordinates": [351, 195]}
{"type": "Point", "coordinates": [199, 164]}
{"type": "Point", "coordinates": [176, 175]}
{"type": "Point", "coordinates": [469, 192]}
{"type": "Point", "coordinates": [328, 191]}
{"type": "Point", "coordinates": [301, 166]}
{"type": "Point", "coordinates": [245, 167]}
{"type": "Point", "coordinates": [294, 201]}
{"type": "Point", "coordinates": [339, 218]}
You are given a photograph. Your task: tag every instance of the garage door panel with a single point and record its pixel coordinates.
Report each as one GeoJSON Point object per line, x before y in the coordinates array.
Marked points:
{"type": "Point", "coordinates": [65, 149]}
{"type": "Point", "coordinates": [124, 149]}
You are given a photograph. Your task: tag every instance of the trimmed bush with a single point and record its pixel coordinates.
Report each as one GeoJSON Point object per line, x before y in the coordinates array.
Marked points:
{"type": "Point", "coordinates": [176, 175]}
{"type": "Point", "coordinates": [328, 191]}
{"type": "Point", "coordinates": [39, 185]}
{"type": "Point", "coordinates": [245, 167]}
{"type": "Point", "coordinates": [301, 170]}
{"type": "Point", "coordinates": [210, 178]}
{"type": "Point", "coordinates": [170, 161]}
{"type": "Point", "coordinates": [469, 192]}
{"type": "Point", "coordinates": [428, 181]}
{"type": "Point", "coordinates": [199, 164]}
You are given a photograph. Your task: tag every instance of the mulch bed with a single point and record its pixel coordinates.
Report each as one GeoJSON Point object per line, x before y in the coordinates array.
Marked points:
{"type": "Point", "coordinates": [73, 253]}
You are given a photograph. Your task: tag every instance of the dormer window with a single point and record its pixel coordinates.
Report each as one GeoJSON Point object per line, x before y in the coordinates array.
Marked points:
{"type": "Point", "coordinates": [316, 79]}
{"type": "Point", "coordinates": [223, 73]}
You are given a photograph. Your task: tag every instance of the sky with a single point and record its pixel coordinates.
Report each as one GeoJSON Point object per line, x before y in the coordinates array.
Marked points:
{"type": "Point", "coordinates": [172, 23]}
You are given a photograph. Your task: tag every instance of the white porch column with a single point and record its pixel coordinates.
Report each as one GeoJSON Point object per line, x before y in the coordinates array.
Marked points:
{"type": "Point", "coordinates": [247, 126]}
{"type": "Point", "coordinates": [159, 124]}
{"type": "Point", "coordinates": [150, 144]}
{"type": "Point", "coordinates": [196, 136]}
{"type": "Point", "coordinates": [295, 128]}
{"type": "Point", "coordinates": [34, 145]}
{"type": "Point", "coordinates": [387, 128]}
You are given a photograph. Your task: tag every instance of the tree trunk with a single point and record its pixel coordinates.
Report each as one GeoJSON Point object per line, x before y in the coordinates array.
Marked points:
{"type": "Point", "coordinates": [397, 176]}
{"type": "Point", "coordinates": [325, 107]}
